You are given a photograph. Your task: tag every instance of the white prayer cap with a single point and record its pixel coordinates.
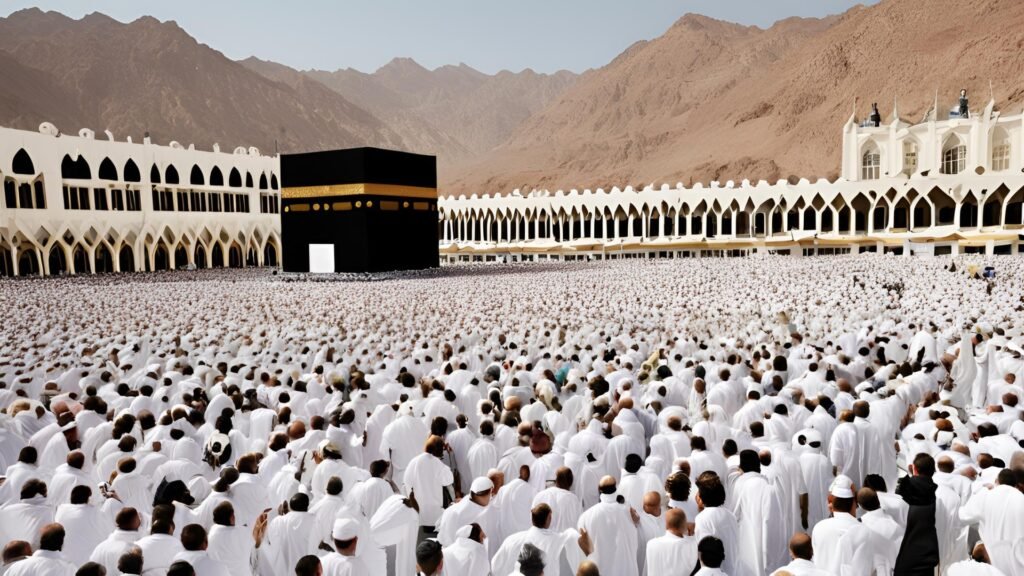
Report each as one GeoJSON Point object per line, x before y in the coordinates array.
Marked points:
{"type": "Point", "coordinates": [842, 487]}
{"type": "Point", "coordinates": [328, 446]}
{"type": "Point", "coordinates": [481, 484]}
{"type": "Point", "coordinates": [345, 529]}
{"type": "Point", "coordinates": [944, 437]}
{"type": "Point", "coordinates": [863, 387]}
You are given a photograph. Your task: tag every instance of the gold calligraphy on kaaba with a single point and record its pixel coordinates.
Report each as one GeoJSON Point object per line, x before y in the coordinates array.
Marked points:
{"type": "Point", "coordinates": [359, 190]}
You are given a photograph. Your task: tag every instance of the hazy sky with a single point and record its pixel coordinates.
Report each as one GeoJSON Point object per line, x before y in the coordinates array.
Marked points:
{"type": "Point", "coordinates": [490, 35]}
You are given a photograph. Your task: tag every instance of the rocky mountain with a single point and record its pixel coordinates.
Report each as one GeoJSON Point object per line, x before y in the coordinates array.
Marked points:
{"type": "Point", "coordinates": [708, 100]}
{"type": "Point", "coordinates": [152, 76]}
{"type": "Point", "coordinates": [712, 100]}
{"type": "Point", "coordinates": [475, 112]}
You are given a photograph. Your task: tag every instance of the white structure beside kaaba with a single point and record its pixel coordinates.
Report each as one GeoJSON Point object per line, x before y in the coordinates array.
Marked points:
{"type": "Point", "coordinates": [949, 185]}
{"type": "Point", "coordinates": [88, 203]}
{"type": "Point", "coordinates": [946, 185]}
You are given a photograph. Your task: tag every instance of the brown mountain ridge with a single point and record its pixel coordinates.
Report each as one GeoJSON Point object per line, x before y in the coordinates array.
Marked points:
{"type": "Point", "coordinates": [711, 100]}
{"type": "Point", "coordinates": [708, 100]}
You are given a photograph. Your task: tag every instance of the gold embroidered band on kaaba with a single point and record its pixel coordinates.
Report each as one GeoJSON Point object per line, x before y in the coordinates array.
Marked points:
{"type": "Point", "coordinates": [359, 190]}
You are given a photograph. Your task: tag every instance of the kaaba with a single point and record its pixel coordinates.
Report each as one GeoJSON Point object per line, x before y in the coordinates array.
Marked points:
{"type": "Point", "coordinates": [358, 210]}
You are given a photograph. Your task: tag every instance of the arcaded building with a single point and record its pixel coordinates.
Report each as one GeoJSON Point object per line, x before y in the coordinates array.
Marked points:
{"type": "Point", "coordinates": [89, 203]}
{"type": "Point", "coordinates": [950, 184]}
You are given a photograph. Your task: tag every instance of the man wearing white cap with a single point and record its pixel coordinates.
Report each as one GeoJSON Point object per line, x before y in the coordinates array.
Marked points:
{"type": "Point", "coordinates": [473, 508]}
{"type": "Point", "coordinates": [841, 543]}
{"type": "Point", "coordinates": [343, 560]}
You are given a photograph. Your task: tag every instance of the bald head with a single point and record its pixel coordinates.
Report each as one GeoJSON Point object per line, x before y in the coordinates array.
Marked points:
{"type": "Point", "coordinates": [652, 503]}
{"type": "Point", "coordinates": [800, 546]}
{"type": "Point", "coordinates": [16, 549]}
{"type": "Point", "coordinates": [588, 568]}
{"type": "Point", "coordinates": [945, 464]}
{"type": "Point", "coordinates": [563, 478]}
{"type": "Point", "coordinates": [675, 521]}
{"type": "Point", "coordinates": [296, 430]}
{"type": "Point", "coordinates": [867, 499]}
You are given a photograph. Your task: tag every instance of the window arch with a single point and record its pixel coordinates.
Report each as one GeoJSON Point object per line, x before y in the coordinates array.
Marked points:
{"type": "Point", "coordinates": [235, 179]}
{"type": "Point", "coordinates": [216, 177]}
{"type": "Point", "coordinates": [273, 181]}
{"type": "Point", "coordinates": [171, 175]}
{"type": "Point", "coordinates": [107, 170]}
{"type": "Point", "coordinates": [1000, 150]}
{"type": "Point", "coordinates": [131, 172]}
{"type": "Point", "coordinates": [248, 180]}
{"type": "Point", "coordinates": [22, 163]}
{"type": "Point", "coordinates": [154, 175]}
{"type": "Point", "coordinates": [954, 155]}
{"type": "Point", "coordinates": [197, 178]}
{"type": "Point", "coordinates": [263, 181]}
{"type": "Point", "coordinates": [871, 162]}
{"type": "Point", "coordinates": [75, 169]}
{"type": "Point", "coordinates": [910, 156]}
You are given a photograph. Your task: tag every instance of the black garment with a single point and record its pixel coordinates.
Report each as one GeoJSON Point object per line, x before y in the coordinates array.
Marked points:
{"type": "Point", "coordinates": [919, 553]}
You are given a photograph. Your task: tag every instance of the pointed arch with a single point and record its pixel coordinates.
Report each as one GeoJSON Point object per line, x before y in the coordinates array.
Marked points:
{"type": "Point", "coordinates": [954, 154]}
{"type": "Point", "coordinates": [861, 206]}
{"type": "Point", "coordinates": [154, 175]}
{"type": "Point", "coordinates": [196, 178]}
{"type": "Point", "coordinates": [22, 163]}
{"type": "Point", "coordinates": [216, 177]}
{"type": "Point", "coordinates": [126, 259]}
{"type": "Point", "coordinates": [943, 205]}
{"type": "Point", "coordinates": [992, 206]}
{"type": "Point", "coordinates": [199, 255]}
{"type": "Point", "coordinates": [235, 255]}
{"type": "Point", "coordinates": [234, 178]}
{"type": "Point", "coordinates": [248, 180]}
{"type": "Point", "coordinates": [171, 175]}
{"type": "Point", "coordinates": [180, 256]}
{"type": "Point", "coordinates": [1013, 207]}
{"type": "Point", "coordinates": [263, 181]}
{"type": "Point", "coordinates": [968, 210]}
{"type": "Point", "coordinates": [107, 170]}
{"type": "Point", "coordinates": [57, 260]}
{"type": "Point", "coordinates": [103, 259]}
{"type": "Point", "coordinates": [28, 263]}
{"type": "Point", "coordinates": [161, 256]}
{"type": "Point", "coordinates": [217, 255]}
{"type": "Point", "coordinates": [131, 172]}
{"type": "Point", "coordinates": [80, 260]}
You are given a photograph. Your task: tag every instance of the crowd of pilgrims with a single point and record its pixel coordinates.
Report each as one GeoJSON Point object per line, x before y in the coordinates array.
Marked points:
{"type": "Point", "coordinates": [846, 416]}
